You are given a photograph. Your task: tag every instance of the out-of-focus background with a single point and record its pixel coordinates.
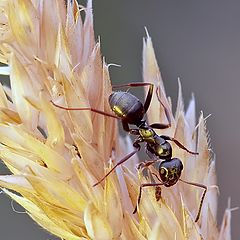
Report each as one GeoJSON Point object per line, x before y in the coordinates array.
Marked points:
{"type": "Point", "coordinates": [198, 41]}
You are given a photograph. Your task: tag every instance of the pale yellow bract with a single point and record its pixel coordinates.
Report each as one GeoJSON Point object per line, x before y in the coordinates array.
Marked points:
{"type": "Point", "coordinates": [56, 156]}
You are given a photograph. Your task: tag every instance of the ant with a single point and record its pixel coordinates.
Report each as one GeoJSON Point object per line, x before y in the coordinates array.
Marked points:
{"type": "Point", "coordinates": [130, 110]}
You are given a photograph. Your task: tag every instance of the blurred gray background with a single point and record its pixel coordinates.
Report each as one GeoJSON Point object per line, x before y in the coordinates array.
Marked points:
{"type": "Point", "coordinates": [198, 41]}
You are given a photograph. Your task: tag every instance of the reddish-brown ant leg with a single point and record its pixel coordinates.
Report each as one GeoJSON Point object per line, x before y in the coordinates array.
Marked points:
{"type": "Point", "coordinates": [145, 164]}
{"type": "Point", "coordinates": [140, 84]}
{"type": "Point", "coordinates": [202, 198]}
{"type": "Point", "coordinates": [137, 146]}
{"type": "Point", "coordinates": [86, 109]}
{"type": "Point", "coordinates": [125, 125]}
{"type": "Point", "coordinates": [159, 125]}
{"type": "Point", "coordinates": [165, 108]}
{"type": "Point", "coordinates": [140, 192]}
{"type": "Point", "coordinates": [126, 128]}
{"type": "Point", "coordinates": [178, 144]}
{"type": "Point", "coordinates": [169, 120]}
{"type": "Point", "coordinates": [148, 101]}
{"type": "Point", "coordinates": [156, 176]}
{"type": "Point", "coordinates": [133, 84]}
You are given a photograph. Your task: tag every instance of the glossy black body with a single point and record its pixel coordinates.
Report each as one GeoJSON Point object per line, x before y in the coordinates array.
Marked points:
{"type": "Point", "coordinates": [159, 148]}
{"type": "Point", "coordinates": [131, 111]}
{"type": "Point", "coordinates": [129, 107]}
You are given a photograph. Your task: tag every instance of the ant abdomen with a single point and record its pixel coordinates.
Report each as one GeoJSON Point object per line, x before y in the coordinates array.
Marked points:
{"type": "Point", "coordinates": [127, 106]}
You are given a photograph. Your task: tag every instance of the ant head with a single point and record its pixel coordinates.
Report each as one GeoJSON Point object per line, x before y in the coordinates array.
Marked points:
{"type": "Point", "coordinates": [170, 171]}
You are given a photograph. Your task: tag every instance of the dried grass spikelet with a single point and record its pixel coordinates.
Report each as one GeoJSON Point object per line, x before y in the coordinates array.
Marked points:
{"type": "Point", "coordinates": [55, 156]}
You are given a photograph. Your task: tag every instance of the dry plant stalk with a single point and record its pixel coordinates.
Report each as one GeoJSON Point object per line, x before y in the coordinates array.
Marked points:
{"type": "Point", "coordinates": [56, 156]}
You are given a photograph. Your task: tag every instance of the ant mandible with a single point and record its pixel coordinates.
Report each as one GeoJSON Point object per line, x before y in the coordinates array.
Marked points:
{"type": "Point", "coordinates": [130, 110]}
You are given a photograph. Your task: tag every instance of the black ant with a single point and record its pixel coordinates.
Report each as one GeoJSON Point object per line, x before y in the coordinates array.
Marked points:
{"type": "Point", "coordinates": [130, 110]}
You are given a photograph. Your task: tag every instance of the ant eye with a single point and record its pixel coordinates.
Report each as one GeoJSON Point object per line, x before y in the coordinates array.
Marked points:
{"type": "Point", "coordinates": [163, 171]}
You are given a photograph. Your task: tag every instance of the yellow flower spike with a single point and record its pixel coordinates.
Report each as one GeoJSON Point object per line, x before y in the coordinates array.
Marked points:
{"type": "Point", "coordinates": [85, 182]}
{"type": "Point", "coordinates": [212, 229]}
{"type": "Point", "coordinates": [5, 31]}
{"type": "Point", "coordinates": [90, 156]}
{"type": "Point", "coordinates": [225, 232]}
{"type": "Point", "coordinates": [132, 186]}
{"type": "Point", "coordinates": [97, 225]}
{"type": "Point", "coordinates": [181, 134]}
{"type": "Point", "coordinates": [56, 155]}
{"type": "Point", "coordinates": [76, 97]}
{"type": "Point", "coordinates": [91, 71]}
{"type": "Point", "coordinates": [22, 86]}
{"type": "Point", "coordinates": [9, 116]}
{"type": "Point", "coordinates": [64, 218]}
{"type": "Point", "coordinates": [22, 24]}
{"type": "Point", "coordinates": [38, 215]}
{"type": "Point", "coordinates": [156, 234]}
{"type": "Point", "coordinates": [55, 131]}
{"type": "Point", "coordinates": [57, 192]}
{"type": "Point", "coordinates": [152, 74]}
{"type": "Point", "coordinates": [202, 160]}
{"type": "Point", "coordinates": [159, 211]}
{"type": "Point", "coordinates": [107, 137]}
{"type": "Point", "coordinates": [19, 162]}
{"type": "Point", "coordinates": [3, 98]}
{"type": "Point", "coordinates": [17, 183]}
{"type": "Point", "coordinates": [190, 229]}
{"type": "Point", "coordinates": [131, 229]}
{"type": "Point", "coordinates": [113, 206]}
{"type": "Point", "coordinates": [62, 53]}
{"type": "Point", "coordinates": [9, 136]}
{"type": "Point", "coordinates": [52, 159]}
{"type": "Point", "coordinates": [213, 192]}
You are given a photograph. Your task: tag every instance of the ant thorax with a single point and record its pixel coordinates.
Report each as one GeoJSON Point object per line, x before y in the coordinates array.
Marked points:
{"type": "Point", "coordinates": [147, 134]}
{"type": "Point", "coordinates": [159, 147]}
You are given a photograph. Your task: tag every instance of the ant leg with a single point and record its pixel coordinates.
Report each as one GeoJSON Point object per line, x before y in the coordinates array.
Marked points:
{"type": "Point", "coordinates": [202, 198]}
{"type": "Point", "coordinates": [137, 146]}
{"type": "Point", "coordinates": [141, 84]}
{"type": "Point", "coordinates": [140, 192]}
{"type": "Point", "coordinates": [148, 98]}
{"type": "Point", "coordinates": [148, 101]}
{"type": "Point", "coordinates": [165, 108]}
{"type": "Point", "coordinates": [156, 176]}
{"type": "Point", "coordinates": [178, 144]}
{"type": "Point", "coordinates": [160, 125]}
{"type": "Point", "coordinates": [133, 84]}
{"type": "Point", "coordinates": [86, 109]}
{"type": "Point", "coordinates": [145, 164]}
{"type": "Point", "coordinates": [127, 129]}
